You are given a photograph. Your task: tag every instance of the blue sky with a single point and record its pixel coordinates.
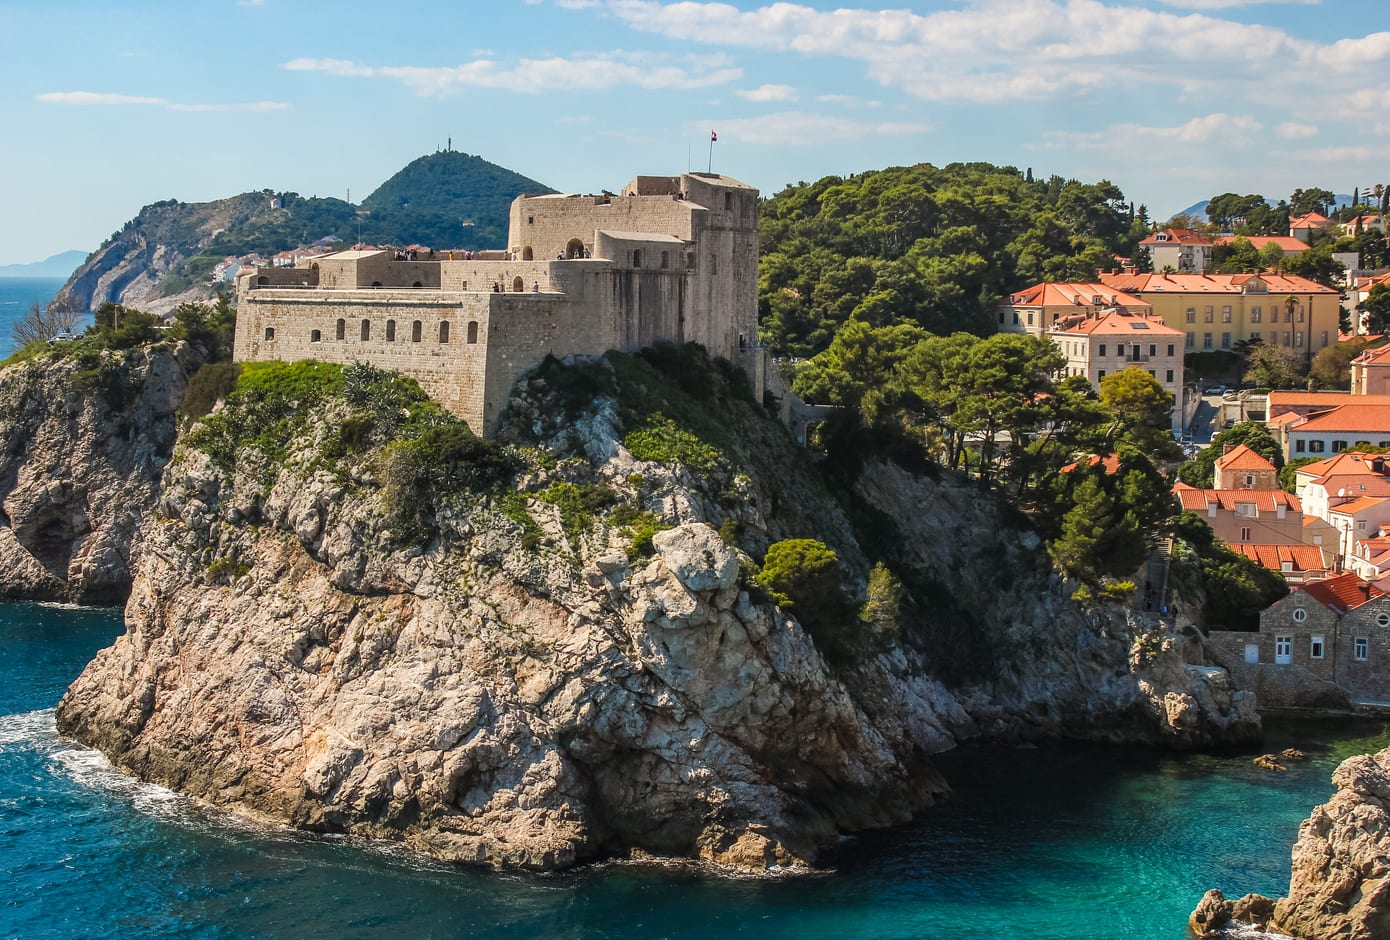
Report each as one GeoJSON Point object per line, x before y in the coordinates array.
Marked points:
{"type": "Point", "coordinates": [107, 106]}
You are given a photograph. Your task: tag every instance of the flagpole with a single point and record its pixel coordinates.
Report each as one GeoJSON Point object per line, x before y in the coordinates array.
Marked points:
{"type": "Point", "coordinates": [712, 138]}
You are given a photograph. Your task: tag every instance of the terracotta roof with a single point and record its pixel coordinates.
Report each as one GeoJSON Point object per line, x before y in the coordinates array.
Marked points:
{"type": "Point", "coordinates": [1374, 551]}
{"type": "Point", "coordinates": [1278, 284]}
{"type": "Point", "coordinates": [1326, 399]}
{"type": "Point", "coordinates": [1265, 500]}
{"type": "Point", "coordinates": [1310, 220]}
{"type": "Point", "coordinates": [1052, 294]}
{"type": "Point", "coordinates": [1118, 324]}
{"type": "Point", "coordinates": [1347, 463]}
{"type": "Point", "coordinates": [1379, 355]}
{"type": "Point", "coordinates": [1303, 557]}
{"type": "Point", "coordinates": [1358, 418]}
{"type": "Point", "coordinates": [1358, 505]}
{"type": "Point", "coordinates": [1110, 461]}
{"type": "Point", "coordinates": [1342, 593]}
{"type": "Point", "coordinates": [1243, 458]}
{"type": "Point", "coordinates": [1286, 242]}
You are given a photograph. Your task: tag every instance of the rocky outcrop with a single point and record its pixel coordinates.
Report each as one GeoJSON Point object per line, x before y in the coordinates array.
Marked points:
{"type": "Point", "coordinates": [541, 692]}
{"type": "Point", "coordinates": [82, 447]}
{"type": "Point", "coordinates": [1340, 885]}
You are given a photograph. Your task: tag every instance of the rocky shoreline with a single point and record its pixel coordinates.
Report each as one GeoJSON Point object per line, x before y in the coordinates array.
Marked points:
{"type": "Point", "coordinates": [1340, 884]}
{"type": "Point", "coordinates": [538, 695]}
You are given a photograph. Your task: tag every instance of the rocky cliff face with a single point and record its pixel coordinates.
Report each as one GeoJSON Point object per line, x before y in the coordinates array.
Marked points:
{"type": "Point", "coordinates": [82, 447]}
{"type": "Point", "coordinates": [533, 688]}
{"type": "Point", "coordinates": [1340, 885]}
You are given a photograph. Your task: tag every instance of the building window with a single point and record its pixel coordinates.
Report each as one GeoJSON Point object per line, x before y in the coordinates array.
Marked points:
{"type": "Point", "coordinates": [443, 332]}
{"type": "Point", "coordinates": [341, 329]}
{"type": "Point", "coordinates": [1360, 525]}
{"type": "Point", "coordinates": [1102, 349]}
{"type": "Point", "coordinates": [1101, 375]}
{"type": "Point", "coordinates": [1300, 615]}
{"type": "Point", "coordinates": [1383, 620]}
{"type": "Point", "coordinates": [1363, 648]}
{"type": "Point", "coordinates": [1245, 534]}
{"type": "Point", "coordinates": [1225, 314]}
{"type": "Point", "coordinates": [1283, 649]}
{"type": "Point", "coordinates": [1015, 318]}
{"type": "Point", "coordinates": [1226, 340]}
{"type": "Point", "coordinates": [713, 264]}
{"type": "Point", "coordinates": [1207, 314]}
{"type": "Point", "coordinates": [390, 331]}
{"type": "Point", "coordinates": [665, 260]}
{"type": "Point", "coordinates": [637, 257]}
{"type": "Point", "coordinates": [1315, 646]}
{"type": "Point", "coordinates": [472, 331]}
{"type": "Point", "coordinates": [366, 330]}
{"type": "Point", "coordinates": [1153, 350]}
{"type": "Point", "coordinates": [1191, 340]}
{"type": "Point", "coordinates": [1256, 315]}
{"type": "Point", "coordinates": [1298, 337]}
{"type": "Point", "coordinates": [1030, 318]}
{"type": "Point", "coordinates": [269, 333]}
{"type": "Point", "coordinates": [416, 331]}
{"type": "Point", "coordinates": [728, 200]}
{"type": "Point", "coordinates": [1317, 447]}
{"type": "Point", "coordinates": [1338, 446]}
{"type": "Point", "coordinates": [1170, 349]}
{"type": "Point", "coordinates": [1191, 314]}
{"type": "Point", "coordinates": [1206, 341]}
{"type": "Point", "coordinates": [1168, 376]}
{"type": "Point", "coordinates": [1299, 447]}
{"type": "Point", "coordinates": [1254, 334]}
{"type": "Point", "coordinates": [1324, 338]}
{"type": "Point", "coordinates": [1286, 338]}
{"type": "Point", "coordinates": [315, 336]}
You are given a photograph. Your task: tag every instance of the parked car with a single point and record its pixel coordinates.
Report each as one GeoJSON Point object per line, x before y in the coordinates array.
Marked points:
{"type": "Point", "coordinates": [1215, 390]}
{"type": "Point", "coordinates": [63, 336]}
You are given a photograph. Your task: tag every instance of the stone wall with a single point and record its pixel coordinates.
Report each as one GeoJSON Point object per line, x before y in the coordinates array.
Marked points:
{"type": "Point", "coordinates": [1367, 678]}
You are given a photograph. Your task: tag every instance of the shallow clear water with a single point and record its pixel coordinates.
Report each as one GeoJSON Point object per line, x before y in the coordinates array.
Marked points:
{"type": "Point", "coordinates": [1057, 842]}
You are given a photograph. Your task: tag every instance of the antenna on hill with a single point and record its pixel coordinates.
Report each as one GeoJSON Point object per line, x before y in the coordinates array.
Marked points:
{"type": "Point", "coordinates": [448, 147]}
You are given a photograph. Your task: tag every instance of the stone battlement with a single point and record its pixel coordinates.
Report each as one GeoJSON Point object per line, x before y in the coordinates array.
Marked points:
{"type": "Point", "coordinates": [671, 259]}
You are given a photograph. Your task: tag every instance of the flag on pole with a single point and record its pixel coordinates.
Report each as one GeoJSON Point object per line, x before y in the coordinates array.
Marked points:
{"type": "Point", "coordinates": [713, 136]}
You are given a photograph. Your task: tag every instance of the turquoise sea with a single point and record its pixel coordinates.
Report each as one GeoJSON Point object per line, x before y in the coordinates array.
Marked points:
{"type": "Point", "coordinates": [1055, 842]}
{"type": "Point", "coordinates": [16, 294]}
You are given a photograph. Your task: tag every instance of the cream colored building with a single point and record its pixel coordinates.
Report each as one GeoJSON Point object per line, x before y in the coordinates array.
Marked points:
{"type": "Point", "coordinates": [1102, 344]}
{"type": "Point", "coordinates": [1216, 311]}
{"type": "Point", "coordinates": [670, 259]}
{"type": "Point", "coordinates": [1370, 372]}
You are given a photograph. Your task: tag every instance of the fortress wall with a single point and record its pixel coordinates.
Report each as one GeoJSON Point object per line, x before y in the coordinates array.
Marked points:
{"type": "Point", "coordinates": [481, 275]}
{"type": "Point", "coordinates": [452, 372]}
{"type": "Point", "coordinates": [547, 223]}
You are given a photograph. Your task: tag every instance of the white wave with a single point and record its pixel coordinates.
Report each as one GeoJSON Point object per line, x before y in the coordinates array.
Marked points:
{"type": "Point", "coordinates": [65, 605]}
{"type": "Point", "coordinates": [27, 728]}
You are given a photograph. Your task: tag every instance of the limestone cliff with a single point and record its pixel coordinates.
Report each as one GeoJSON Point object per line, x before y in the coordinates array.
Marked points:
{"type": "Point", "coordinates": [1340, 885]}
{"type": "Point", "coordinates": [572, 661]}
{"type": "Point", "coordinates": [82, 447]}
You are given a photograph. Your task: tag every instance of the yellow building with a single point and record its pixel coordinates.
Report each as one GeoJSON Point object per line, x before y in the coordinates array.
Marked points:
{"type": "Point", "coordinates": [1216, 311]}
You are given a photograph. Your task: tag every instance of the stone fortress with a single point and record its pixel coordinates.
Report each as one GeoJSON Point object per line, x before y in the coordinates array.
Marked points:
{"type": "Point", "coordinates": [669, 259]}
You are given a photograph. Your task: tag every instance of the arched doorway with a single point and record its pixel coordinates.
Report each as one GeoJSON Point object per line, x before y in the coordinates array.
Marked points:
{"type": "Point", "coordinates": [517, 284]}
{"type": "Point", "coordinates": [575, 249]}
{"type": "Point", "coordinates": [526, 254]}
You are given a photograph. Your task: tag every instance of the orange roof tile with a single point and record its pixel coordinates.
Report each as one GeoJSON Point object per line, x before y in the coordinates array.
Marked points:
{"type": "Point", "coordinates": [1358, 418]}
{"type": "Point", "coordinates": [1377, 356]}
{"type": "Point", "coordinates": [1243, 458]}
{"type": "Point", "coordinates": [1358, 505]}
{"type": "Point", "coordinates": [1309, 220]}
{"type": "Point", "coordinates": [1302, 557]}
{"type": "Point", "coordinates": [1111, 463]}
{"type": "Point", "coordinates": [1118, 324]}
{"type": "Point", "coordinates": [1342, 593]}
{"type": "Point", "coordinates": [1280, 398]}
{"type": "Point", "coordinates": [1264, 500]}
{"type": "Point", "coordinates": [1277, 284]}
{"type": "Point", "coordinates": [1177, 236]}
{"type": "Point", "coordinates": [1286, 242]}
{"type": "Point", "coordinates": [1072, 294]}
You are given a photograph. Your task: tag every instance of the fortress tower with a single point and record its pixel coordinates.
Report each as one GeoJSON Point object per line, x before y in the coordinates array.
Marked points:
{"type": "Point", "coordinates": [669, 259]}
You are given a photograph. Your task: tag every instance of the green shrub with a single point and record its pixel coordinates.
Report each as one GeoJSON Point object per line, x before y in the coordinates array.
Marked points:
{"type": "Point", "coordinates": [578, 504]}
{"type": "Point", "coordinates": [444, 460]}
{"type": "Point", "coordinates": [267, 410]}
{"type": "Point", "coordinates": [226, 571]}
{"type": "Point", "coordinates": [212, 382]}
{"type": "Point", "coordinates": [661, 440]}
{"type": "Point", "coordinates": [514, 508]}
{"type": "Point", "coordinates": [639, 526]}
{"type": "Point", "coordinates": [803, 575]}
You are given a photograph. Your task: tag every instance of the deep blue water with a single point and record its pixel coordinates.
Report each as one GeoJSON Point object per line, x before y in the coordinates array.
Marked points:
{"type": "Point", "coordinates": [16, 294]}
{"type": "Point", "coordinates": [1058, 842]}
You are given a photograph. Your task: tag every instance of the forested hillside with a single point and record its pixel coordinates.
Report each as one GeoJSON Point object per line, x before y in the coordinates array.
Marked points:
{"type": "Point", "coordinates": [932, 246]}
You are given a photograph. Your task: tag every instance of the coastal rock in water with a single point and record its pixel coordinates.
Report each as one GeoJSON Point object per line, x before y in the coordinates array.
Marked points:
{"type": "Point", "coordinates": [523, 686]}
{"type": "Point", "coordinates": [1340, 885]}
{"type": "Point", "coordinates": [1211, 916]}
{"type": "Point", "coordinates": [82, 447]}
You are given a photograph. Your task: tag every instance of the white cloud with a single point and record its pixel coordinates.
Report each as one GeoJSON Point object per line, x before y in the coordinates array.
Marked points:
{"type": "Point", "coordinates": [1229, 4]}
{"type": "Point", "coordinates": [849, 101]}
{"type": "Point", "coordinates": [1292, 130]}
{"type": "Point", "coordinates": [1159, 143]}
{"type": "Point", "coordinates": [86, 98]}
{"type": "Point", "coordinates": [768, 93]}
{"type": "Point", "coordinates": [94, 97]}
{"type": "Point", "coordinates": [1004, 50]}
{"type": "Point", "coordinates": [536, 76]}
{"type": "Point", "coordinates": [804, 129]}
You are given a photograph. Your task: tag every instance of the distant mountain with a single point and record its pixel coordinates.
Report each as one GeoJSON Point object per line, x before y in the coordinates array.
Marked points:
{"type": "Point", "coordinates": [59, 265]}
{"type": "Point", "coordinates": [1198, 210]}
{"type": "Point", "coordinates": [175, 251]}
{"type": "Point", "coordinates": [447, 200]}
